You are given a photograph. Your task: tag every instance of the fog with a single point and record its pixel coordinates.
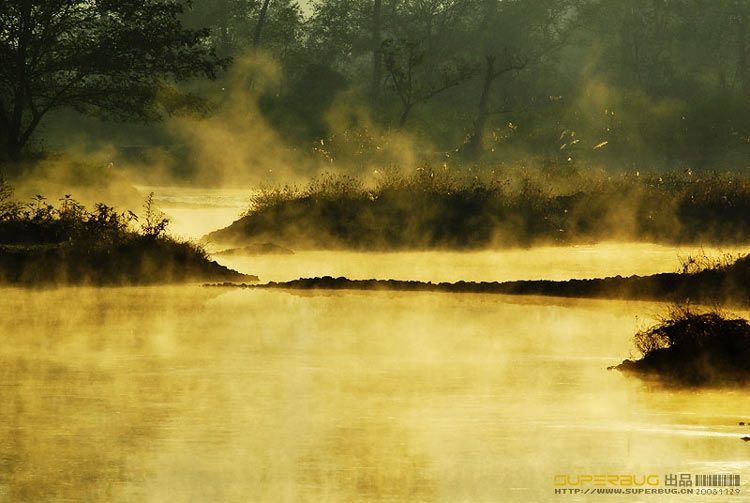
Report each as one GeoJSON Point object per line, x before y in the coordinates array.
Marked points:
{"type": "Point", "coordinates": [336, 397]}
{"type": "Point", "coordinates": [186, 393]}
{"type": "Point", "coordinates": [552, 263]}
{"type": "Point", "coordinates": [442, 141]}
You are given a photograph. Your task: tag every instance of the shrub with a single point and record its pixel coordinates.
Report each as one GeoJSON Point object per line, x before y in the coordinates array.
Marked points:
{"type": "Point", "coordinates": [154, 221]}
{"type": "Point", "coordinates": [8, 206]}
{"type": "Point", "coordinates": [39, 221]}
{"type": "Point", "coordinates": [268, 197]}
{"type": "Point", "coordinates": [331, 186]}
{"type": "Point", "coordinates": [684, 327]}
{"type": "Point", "coordinates": [68, 243]}
{"type": "Point", "coordinates": [443, 207]}
{"type": "Point", "coordinates": [694, 264]}
{"type": "Point", "coordinates": [695, 348]}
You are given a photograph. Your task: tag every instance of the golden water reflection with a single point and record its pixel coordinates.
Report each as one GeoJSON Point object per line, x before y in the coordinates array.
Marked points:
{"type": "Point", "coordinates": [192, 394]}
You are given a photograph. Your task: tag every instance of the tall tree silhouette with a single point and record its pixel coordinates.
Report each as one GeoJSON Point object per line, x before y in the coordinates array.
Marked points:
{"type": "Point", "coordinates": [100, 57]}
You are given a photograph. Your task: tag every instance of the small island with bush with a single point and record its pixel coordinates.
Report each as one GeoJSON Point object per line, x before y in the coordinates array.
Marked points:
{"type": "Point", "coordinates": [67, 243]}
{"type": "Point", "coordinates": [689, 347]}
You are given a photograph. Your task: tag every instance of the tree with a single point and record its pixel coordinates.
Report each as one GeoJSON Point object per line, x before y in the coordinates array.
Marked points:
{"type": "Point", "coordinates": [227, 21]}
{"type": "Point", "coordinates": [238, 27]}
{"type": "Point", "coordinates": [492, 72]}
{"type": "Point", "coordinates": [339, 34]}
{"type": "Point", "coordinates": [258, 31]}
{"type": "Point", "coordinates": [740, 15]}
{"type": "Point", "coordinates": [403, 60]}
{"type": "Point", "coordinates": [377, 55]}
{"type": "Point", "coordinates": [110, 58]}
{"type": "Point", "coordinates": [512, 35]}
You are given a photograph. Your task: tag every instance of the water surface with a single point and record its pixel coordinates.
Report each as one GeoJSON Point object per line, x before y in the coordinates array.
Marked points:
{"type": "Point", "coordinates": [193, 394]}
{"type": "Point", "coordinates": [549, 262]}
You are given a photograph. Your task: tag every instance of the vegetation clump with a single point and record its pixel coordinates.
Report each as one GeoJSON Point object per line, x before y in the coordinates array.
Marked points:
{"type": "Point", "coordinates": [42, 243]}
{"type": "Point", "coordinates": [693, 348]}
{"type": "Point", "coordinates": [463, 209]}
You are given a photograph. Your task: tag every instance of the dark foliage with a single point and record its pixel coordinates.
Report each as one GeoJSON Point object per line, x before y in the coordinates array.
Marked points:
{"type": "Point", "coordinates": [692, 348]}
{"type": "Point", "coordinates": [45, 244]}
{"type": "Point", "coordinates": [443, 209]}
{"type": "Point", "coordinates": [106, 58]}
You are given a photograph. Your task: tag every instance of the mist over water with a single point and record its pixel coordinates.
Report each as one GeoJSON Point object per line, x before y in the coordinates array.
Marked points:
{"type": "Point", "coordinates": [197, 394]}
{"type": "Point", "coordinates": [549, 262]}
{"type": "Point", "coordinates": [194, 212]}
{"type": "Point", "coordinates": [189, 393]}
{"type": "Point", "coordinates": [337, 125]}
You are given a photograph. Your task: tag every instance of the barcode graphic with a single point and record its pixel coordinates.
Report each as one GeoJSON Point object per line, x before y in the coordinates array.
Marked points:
{"type": "Point", "coordinates": [717, 480]}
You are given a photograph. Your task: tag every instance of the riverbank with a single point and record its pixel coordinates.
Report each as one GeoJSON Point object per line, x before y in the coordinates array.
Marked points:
{"type": "Point", "coordinates": [134, 262]}
{"type": "Point", "coordinates": [726, 284]}
{"type": "Point", "coordinates": [66, 243]}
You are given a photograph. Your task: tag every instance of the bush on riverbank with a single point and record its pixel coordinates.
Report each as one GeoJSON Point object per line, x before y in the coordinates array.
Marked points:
{"type": "Point", "coordinates": [42, 243]}
{"type": "Point", "coordinates": [440, 208]}
{"type": "Point", "coordinates": [694, 348]}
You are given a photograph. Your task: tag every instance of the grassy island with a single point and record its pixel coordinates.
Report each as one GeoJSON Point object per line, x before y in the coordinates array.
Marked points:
{"type": "Point", "coordinates": [66, 243]}
{"type": "Point", "coordinates": [484, 208]}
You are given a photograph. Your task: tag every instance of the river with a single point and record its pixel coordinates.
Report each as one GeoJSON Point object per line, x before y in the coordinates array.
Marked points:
{"type": "Point", "coordinates": [183, 393]}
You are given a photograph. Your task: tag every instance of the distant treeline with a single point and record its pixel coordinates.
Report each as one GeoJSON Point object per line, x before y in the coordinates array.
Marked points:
{"type": "Point", "coordinates": [657, 82]}
{"type": "Point", "coordinates": [629, 83]}
{"type": "Point", "coordinates": [440, 208]}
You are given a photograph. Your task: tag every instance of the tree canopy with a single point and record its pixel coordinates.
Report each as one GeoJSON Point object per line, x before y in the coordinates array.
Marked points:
{"type": "Point", "coordinates": [104, 57]}
{"type": "Point", "coordinates": [656, 82]}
